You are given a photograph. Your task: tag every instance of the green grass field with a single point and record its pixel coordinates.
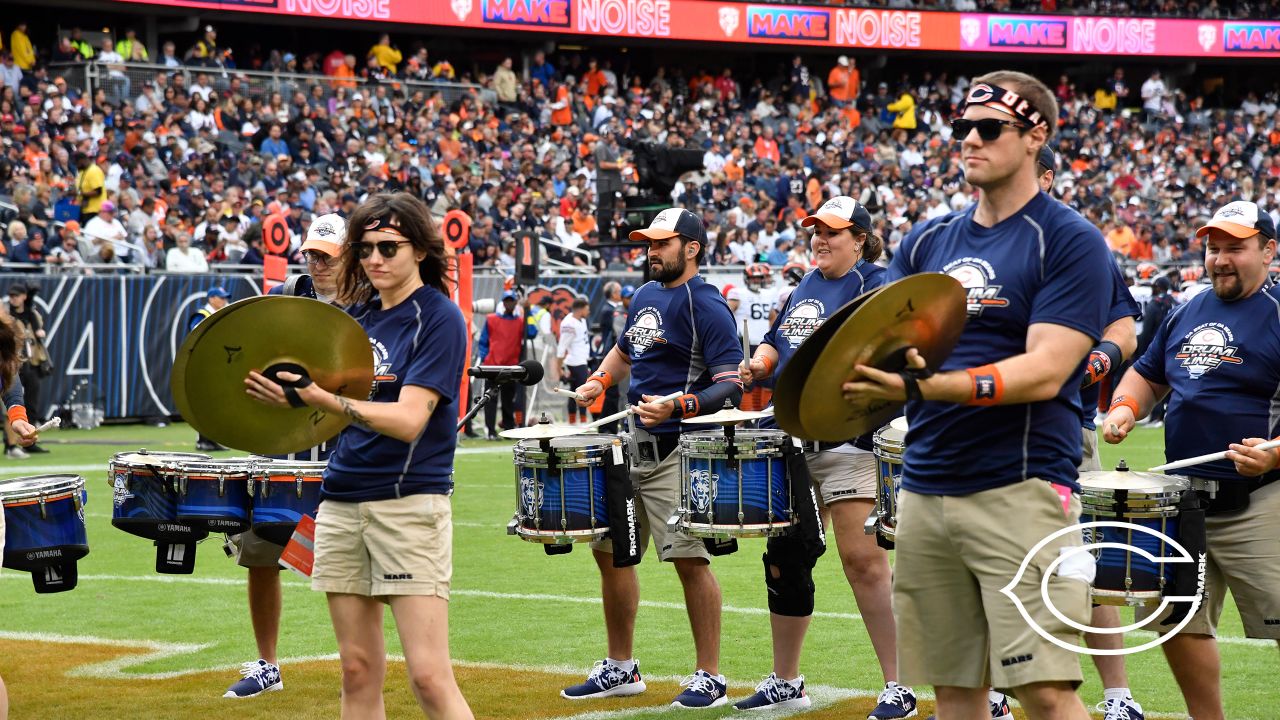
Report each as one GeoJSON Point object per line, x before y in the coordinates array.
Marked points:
{"type": "Point", "coordinates": [512, 606]}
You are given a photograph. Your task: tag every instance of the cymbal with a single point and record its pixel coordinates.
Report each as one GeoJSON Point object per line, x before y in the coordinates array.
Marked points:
{"type": "Point", "coordinates": [179, 389]}
{"type": "Point", "coordinates": [1131, 480]}
{"type": "Point", "coordinates": [276, 332]}
{"type": "Point", "coordinates": [728, 416]}
{"type": "Point", "coordinates": [790, 383]}
{"type": "Point", "coordinates": [543, 431]}
{"type": "Point", "coordinates": [925, 311]}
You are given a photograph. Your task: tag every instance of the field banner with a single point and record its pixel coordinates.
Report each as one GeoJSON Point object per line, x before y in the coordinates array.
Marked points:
{"type": "Point", "coordinates": [708, 21]}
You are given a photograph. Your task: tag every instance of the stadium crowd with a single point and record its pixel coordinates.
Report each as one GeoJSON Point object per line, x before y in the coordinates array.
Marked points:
{"type": "Point", "coordinates": [176, 168]}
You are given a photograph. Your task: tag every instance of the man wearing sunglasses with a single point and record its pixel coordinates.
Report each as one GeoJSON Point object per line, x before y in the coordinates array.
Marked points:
{"type": "Point", "coordinates": [322, 249]}
{"type": "Point", "coordinates": [995, 431]}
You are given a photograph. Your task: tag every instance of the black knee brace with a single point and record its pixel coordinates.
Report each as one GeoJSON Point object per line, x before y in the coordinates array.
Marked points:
{"type": "Point", "coordinates": [791, 591]}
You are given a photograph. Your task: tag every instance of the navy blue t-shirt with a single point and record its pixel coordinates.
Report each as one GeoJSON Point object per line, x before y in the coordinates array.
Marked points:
{"type": "Point", "coordinates": [674, 336]}
{"type": "Point", "coordinates": [1043, 264]}
{"type": "Point", "coordinates": [809, 306]}
{"type": "Point", "coordinates": [423, 342]}
{"type": "Point", "coordinates": [1122, 306]}
{"type": "Point", "coordinates": [1221, 361]}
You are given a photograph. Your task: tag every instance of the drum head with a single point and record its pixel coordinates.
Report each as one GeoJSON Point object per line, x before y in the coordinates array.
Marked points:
{"type": "Point", "coordinates": [143, 458]}
{"type": "Point", "coordinates": [298, 468]}
{"type": "Point", "coordinates": [576, 442]}
{"type": "Point", "coordinates": [895, 433]}
{"type": "Point", "coordinates": [1135, 482]}
{"type": "Point", "coordinates": [236, 466]}
{"type": "Point", "coordinates": [34, 486]}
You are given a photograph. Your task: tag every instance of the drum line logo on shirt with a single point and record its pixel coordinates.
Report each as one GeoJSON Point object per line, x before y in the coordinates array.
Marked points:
{"type": "Point", "coordinates": [1078, 560]}
{"type": "Point", "coordinates": [976, 276]}
{"type": "Point", "coordinates": [381, 366]}
{"type": "Point", "coordinates": [1206, 348]}
{"type": "Point", "coordinates": [646, 331]}
{"type": "Point", "coordinates": [803, 319]}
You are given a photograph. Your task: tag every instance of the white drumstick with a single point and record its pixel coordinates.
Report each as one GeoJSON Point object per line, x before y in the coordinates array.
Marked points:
{"type": "Point", "coordinates": [619, 415]}
{"type": "Point", "coordinates": [1211, 457]}
{"type": "Point", "coordinates": [575, 395]}
{"type": "Point", "coordinates": [56, 422]}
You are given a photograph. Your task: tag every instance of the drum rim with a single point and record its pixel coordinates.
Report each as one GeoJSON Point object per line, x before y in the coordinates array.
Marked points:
{"type": "Point", "coordinates": [214, 470]}
{"type": "Point", "coordinates": [119, 458]}
{"type": "Point", "coordinates": [263, 476]}
{"type": "Point", "coordinates": [71, 483]}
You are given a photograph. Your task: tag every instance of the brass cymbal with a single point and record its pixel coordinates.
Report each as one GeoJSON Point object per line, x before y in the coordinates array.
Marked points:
{"type": "Point", "coordinates": [276, 332]}
{"type": "Point", "coordinates": [543, 431]}
{"type": "Point", "coordinates": [1131, 480]}
{"type": "Point", "coordinates": [925, 311]}
{"type": "Point", "coordinates": [728, 416]}
{"type": "Point", "coordinates": [790, 383]}
{"type": "Point", "coordinates": [176, 387]}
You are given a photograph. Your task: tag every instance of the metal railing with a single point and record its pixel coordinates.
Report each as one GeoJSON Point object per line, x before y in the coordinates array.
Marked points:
{"type": "Point", "coordinates": [127, 83]}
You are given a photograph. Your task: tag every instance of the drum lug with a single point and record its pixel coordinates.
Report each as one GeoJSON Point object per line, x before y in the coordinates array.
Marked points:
{"type": "Point", "coordinates": [182, 485]}
{"type": "Point", "coordinates": [298, 479]}
{"type": "Point", "coordinates": [44, 513]}
{"type": "Point", "coordinates": [222, 486]}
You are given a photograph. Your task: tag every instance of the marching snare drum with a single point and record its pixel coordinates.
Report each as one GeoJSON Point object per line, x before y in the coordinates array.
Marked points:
{"type": "Point", "coordinates": [889, 443]}
{"type": "Point", "coordinates": [215, 493]}
{"type": "Point", "coordinates": [44, 528]}
{"type": "Point", "coordinates": [1125, 577]}
{"type": "Point", "coordinates": [284, 491]}
{"type": "Point", "coordinates": [560, 487]}
{"type": "Point", "coordinates": [734, 485]}
{"type": "Point", "coordinates": [146, 495]}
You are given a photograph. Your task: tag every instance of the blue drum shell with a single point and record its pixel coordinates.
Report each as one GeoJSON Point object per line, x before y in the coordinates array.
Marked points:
{"type": "Point", "coordinates": [277, 508]}
{"type": "Point", "coordinates": [1144, 573]}
{"type": "Point", "coordinates": [33, 541]}
{"type": "Point", "coordinates": [720, 504]}
{"type": "Point", "coordinates": [541, 492]}
{"type": "Point", "coordinates": [225, 512]}
{"type": "Point", "coordinates": [147, 506]}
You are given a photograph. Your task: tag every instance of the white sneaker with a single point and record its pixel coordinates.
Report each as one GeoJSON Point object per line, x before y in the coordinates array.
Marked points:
{"type": "Point", "coordinates": [16, 453]}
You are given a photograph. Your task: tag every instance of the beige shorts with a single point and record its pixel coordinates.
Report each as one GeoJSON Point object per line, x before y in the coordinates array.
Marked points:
{"type": "Point", "coordinates": [252, 551]}
{"type": "Point", "coordinates": [842, 476]}
{"type": "Point", "coordinates": [385, 547]}
{"type": "Point", "coordinates": [658, 496]}
{"type": "Point", "coordinates": [954, 555]}
{"type": "Point", "coordinates": [1244, 557]}
{"type": "Point", "coordinates": [1089, 460]}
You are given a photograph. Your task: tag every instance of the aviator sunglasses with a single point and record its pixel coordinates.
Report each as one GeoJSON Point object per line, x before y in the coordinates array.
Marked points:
{"type": "Point", "coordinates": [988, 129]}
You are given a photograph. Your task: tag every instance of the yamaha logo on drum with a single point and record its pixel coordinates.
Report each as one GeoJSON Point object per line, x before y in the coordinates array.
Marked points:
{"type": "Point", "coordinates": [702, 488]}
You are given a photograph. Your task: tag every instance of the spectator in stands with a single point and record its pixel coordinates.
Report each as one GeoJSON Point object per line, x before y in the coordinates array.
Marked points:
{"type": "Point", "coordinates": [168, 55]}
{"type": "Point", "coordinates": [542, 71]}
{"type": "Point", "coordinates": [89, 183]}
{"type": "Point", "coordinates": [387, 55]}
{"type": "Point", "coordinates": [80, 45]}
{"type": "Point", "coordinates": [31, 250]}
{"type": "Point", "coordinates": [10, 73]}
{"type": "Point", "coordinates": [1154, 94]}
{"type": "Point", "coordinates": [105, 229]}
{"type": "Point", "coordinates": [24, 53]}
{"type": "Point", "coordinates": [505, 83]}
{"type": "Point", "coordinates": [800, 87]}
{"type": "Point", "coordinates": [182, 258]}
{"type": "Point", "coordinates": [843, 82]}
{"type": "Point", "coordinates": [65, 52]}
{"type": "Point", "coordinates": [67, 255]}
{"type": "Point", "coordinates": [205, 50]}
{"type": "Point", "coordinates": [131, 48]}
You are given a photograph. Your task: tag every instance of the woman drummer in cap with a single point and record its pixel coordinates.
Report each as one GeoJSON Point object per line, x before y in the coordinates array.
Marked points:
{"type": "Point", "coordinates": [844, 474]}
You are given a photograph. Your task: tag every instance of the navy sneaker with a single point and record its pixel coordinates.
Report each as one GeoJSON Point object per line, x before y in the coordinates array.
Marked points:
{"type": "Point", "coordinates": [774, 693]}
{"type": "Point", "coordinates": [702, 690]}
{"type": "Point", "coordinates": [1126, 709]}
{"type": "Point", "coordinates": [260, 677]}
{"type": "Point", "coordinates": [896, 701]}
{"type": "Point", "coordinates": [607, 679]}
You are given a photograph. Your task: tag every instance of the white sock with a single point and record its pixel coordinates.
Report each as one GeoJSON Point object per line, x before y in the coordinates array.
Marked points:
{"type": "Point", "coordinates": [796, 683]}
{"type": "Point", "coordinates": [995, 696]}
{"type": "Point", "coordinates": [627, 665]}
{"type": "Point", "coordinates": [1116, 694]}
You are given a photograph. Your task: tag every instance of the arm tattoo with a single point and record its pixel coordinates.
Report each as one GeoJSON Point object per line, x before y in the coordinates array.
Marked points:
{"type": "Point", "coordinates": [431, 406]}
{"type": "Point", "coordinates": [350, 410]}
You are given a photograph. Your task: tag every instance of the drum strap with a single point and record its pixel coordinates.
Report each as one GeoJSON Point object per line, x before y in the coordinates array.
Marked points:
{"type": "Point", "coordinates": [624, 514]}
{"type": "Point", "coordinates": [808, 524]}
{"type": "Point", "coordinates": [1187, 576]}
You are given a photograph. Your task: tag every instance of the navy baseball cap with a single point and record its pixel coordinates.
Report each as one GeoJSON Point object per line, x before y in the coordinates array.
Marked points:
{"type": "Point", "coordinates": [1241, 219]}
{"type": "Point", "coordinates": [840, 212]}
{"type": "Point", "coordinates": [510, 295]}
{"type": "Point", "coordinates": [670, 223]}
{"type": "Point", "coordinates": [1047, 159]}
{"type": "Point", "coordinates": [628, 290]}
{"type": "Point", "coordinates": [217, 291]}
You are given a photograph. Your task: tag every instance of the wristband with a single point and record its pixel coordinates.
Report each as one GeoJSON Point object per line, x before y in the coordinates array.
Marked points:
{"type": "Point", "coordinates": [686, 405]}
{"type": "Point", "coordinates": [16, 413]}
{"type": "Point", "coordinates": [1125, 401]}
{"type": "Point", "coordinates": [911, 378]}
{"type": "Point", "coordinates": [1104, 358]}
{"type": "Point", "coordinates": [988, 385]}
{"type": "Point", "coordinates": [603, 377]}
{"type": "Point", "coordinates": [769, 365]}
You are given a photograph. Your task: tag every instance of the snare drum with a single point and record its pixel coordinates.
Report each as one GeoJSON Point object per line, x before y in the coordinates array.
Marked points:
{"type": "Point", "coordinates": [890, 442]}
{"type": "Point", "coordinates": [215, 493]}
{"type": "Point", "coordinates": [1124, 577]}
{"type": "Point", "coordinates": [284, 491]}
{"type": "Point", "coordinates": [146, 495]}
{"type": "Point", "coordinates": [560, 495]}
{"type": "Point", "coordinates": [743, 493]}
{"type": "Point", "coordinates": [44, 528]}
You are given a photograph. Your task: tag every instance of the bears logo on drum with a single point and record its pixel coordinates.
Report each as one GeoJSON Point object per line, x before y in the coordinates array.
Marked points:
{"type": "Point", "coordinates": [530, 494]}
{"type": "Point", "coordinates": [702, 487]}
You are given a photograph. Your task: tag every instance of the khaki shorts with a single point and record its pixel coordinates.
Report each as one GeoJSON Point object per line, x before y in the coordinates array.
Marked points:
{"type": "Point", "coordinates": [252, 551]}
{"type": "Point", "coordinates": [1090, 460]}
{"type": "Point", "coordinates": [1244, 557]}
{"type": "Point", "coordinates": [842, 476]}
{"type": "Point", "coordinates": [954, 555]}
{"type": "Point", "coordinates": [382, 548]}
{"type": "Point", "coordinates": [658, 495]}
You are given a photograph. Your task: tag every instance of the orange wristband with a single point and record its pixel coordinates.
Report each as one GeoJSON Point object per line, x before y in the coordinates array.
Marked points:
{"type": "Point", "coordinates": [988, 385]}
{"type": "Point", "coordinates": [16, 413]}
{"type": "Point", "coordinates": [1125, 401]}
{"type": "Point", "coordinates": [769, 365]}
{"type": "Point", "coordinates": [603, 377]}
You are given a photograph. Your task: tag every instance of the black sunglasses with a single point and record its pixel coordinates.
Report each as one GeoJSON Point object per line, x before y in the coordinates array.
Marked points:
{"type": "Point", "coordinates": [387, 248]}
{"type": "Point", "coordinates": [989, 129]}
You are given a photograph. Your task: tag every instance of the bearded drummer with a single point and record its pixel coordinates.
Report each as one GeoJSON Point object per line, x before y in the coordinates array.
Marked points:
{"type": "Point", "coordinates": [843, 474]}
{"type": "Point", "coordinates": [679, 337]}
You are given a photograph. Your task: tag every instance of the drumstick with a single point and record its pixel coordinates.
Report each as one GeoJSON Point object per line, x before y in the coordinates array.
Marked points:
{"type": "Point", "coordinates": [56, 422]}
{"type": "Point", "coordinates": [619, 415]}
{"type": "Point", "coordinates": [746, 342]}
{"type": "Point", "coordinates": [575, 395]}
{"type": "Point", "coordinates": [1211, 457]}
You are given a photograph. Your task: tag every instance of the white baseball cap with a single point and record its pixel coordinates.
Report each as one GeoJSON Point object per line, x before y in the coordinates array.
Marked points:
{"type": "Point", "coordinates": [326, 234]}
